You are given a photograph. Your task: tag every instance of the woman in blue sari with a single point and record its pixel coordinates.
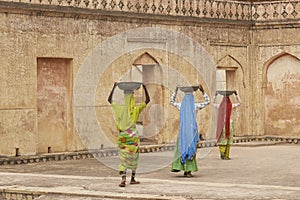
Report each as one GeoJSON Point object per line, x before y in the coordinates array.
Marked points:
{"type": "Point", "coordinates": [188, 137]}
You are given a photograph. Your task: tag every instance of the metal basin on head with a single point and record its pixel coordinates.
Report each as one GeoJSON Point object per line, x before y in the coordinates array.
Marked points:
{"type": "Point", "coordinates": [129, 86]}
{"type": "Point", "coordinates": [189, 89]}
{"type": "Point", "coordinates": [225, 92]}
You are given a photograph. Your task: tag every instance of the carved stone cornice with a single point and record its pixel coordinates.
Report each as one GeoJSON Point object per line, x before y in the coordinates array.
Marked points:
{"type": "Point", "coordinates": [218, 10]}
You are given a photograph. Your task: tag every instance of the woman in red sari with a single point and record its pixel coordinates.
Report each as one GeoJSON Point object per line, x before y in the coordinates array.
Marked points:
{"type": "Point", "coordinates": [225, 127]}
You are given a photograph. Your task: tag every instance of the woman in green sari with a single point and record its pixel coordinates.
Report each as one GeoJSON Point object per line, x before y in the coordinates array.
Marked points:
{"type": "Point", "coordinates": [126, 116]}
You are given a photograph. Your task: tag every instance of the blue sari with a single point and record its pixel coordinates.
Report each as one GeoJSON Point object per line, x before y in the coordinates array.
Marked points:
{"type": "Point", "coordinates": [188, 134]}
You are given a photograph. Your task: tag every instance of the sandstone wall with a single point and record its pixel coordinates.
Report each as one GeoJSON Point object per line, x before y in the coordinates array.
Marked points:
{"type": "Point", "coordinates": [100, 49]}
{"type": "Point", "coordinates": [276, 76]}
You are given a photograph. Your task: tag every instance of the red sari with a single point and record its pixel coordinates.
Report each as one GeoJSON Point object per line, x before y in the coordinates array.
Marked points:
{"type": "Point", "coordinates": [224, 118]}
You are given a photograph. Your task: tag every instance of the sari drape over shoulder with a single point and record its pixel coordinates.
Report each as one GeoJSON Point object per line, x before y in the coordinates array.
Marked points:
{"type": "Point", "coordinates": [224, 118]}
{"type": "Point", "coordinates": [126, 117]}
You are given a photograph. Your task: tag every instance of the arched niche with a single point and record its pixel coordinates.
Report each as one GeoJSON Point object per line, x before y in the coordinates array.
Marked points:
{"type": "Point", "coordinates": [282, 95]}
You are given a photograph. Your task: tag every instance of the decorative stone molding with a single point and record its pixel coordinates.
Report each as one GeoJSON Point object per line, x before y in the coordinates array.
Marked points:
{"type": "Point", "coordinates": [18, 195]}
{"type": "Point", "coordinates": [275, 10]}
{"type": "Point", "coordinates": [214, 9]}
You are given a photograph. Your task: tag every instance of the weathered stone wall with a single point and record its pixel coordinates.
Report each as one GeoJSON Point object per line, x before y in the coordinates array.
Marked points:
{"type": "Point", "coordinates": [102, 47]}
{"type": "Point", "coordinates": [275, 87]}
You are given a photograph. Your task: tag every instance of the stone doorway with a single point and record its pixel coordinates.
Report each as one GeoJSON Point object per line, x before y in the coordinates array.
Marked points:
{"type": "Point", "coordinates": [229, 76]}
{"type": "Point", "coordinates": [53, 104]}
{"type": "Point", "coordinates": [146, 69]}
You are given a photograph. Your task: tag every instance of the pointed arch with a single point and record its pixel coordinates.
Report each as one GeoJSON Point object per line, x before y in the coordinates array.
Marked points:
{"type": "Point", "coordinates": [281, 95]}
{"type": "Point", "coordinates": [145, 59]}
{"type": "Point", "coordinates": [230, 63]}
{"type": "Point", "coordinates": [269, 62]}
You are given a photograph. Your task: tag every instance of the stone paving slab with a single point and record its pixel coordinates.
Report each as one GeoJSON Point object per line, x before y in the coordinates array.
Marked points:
{"type": "Point", "coordinates": [254, 172]}
{"type": "Point", "coordinates": [150, 189]}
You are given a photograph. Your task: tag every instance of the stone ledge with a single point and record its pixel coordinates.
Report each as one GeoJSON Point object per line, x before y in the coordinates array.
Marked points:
{"type": "Point", "coordinates": [238, 141]}
{"type": "Point", "coordinates": [18, 195]}
{"type": "Point", "coordinates": [30, 193]}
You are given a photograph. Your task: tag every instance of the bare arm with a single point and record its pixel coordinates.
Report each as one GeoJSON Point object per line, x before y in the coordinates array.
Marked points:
{"type": "Point", "coordinates": [147, 95]}
{"type": "Point", "coordinates": [111, 93]}
{"type": "Point", "coordinates": [201, 89]}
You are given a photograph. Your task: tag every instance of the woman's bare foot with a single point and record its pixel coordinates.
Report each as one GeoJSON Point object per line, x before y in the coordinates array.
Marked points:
{"type": "Point", "coordinates": [189, 174]}
{"type": "Point", "coordinates": [133, 181]}
{"type": "Point", "coordinates": [123, 183]}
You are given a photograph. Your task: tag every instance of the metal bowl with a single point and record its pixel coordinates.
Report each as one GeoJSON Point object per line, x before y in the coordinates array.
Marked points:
{"type": "Point", "coordinates": [225, 92]}
{"type": "Point", "coordinates": [189, 89]}
{"type": "Point", "coordinates": [129, 86]}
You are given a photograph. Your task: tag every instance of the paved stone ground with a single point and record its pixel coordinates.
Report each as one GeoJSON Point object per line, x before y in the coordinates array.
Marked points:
{"type": "Point", "coordinates": [255, 171]}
